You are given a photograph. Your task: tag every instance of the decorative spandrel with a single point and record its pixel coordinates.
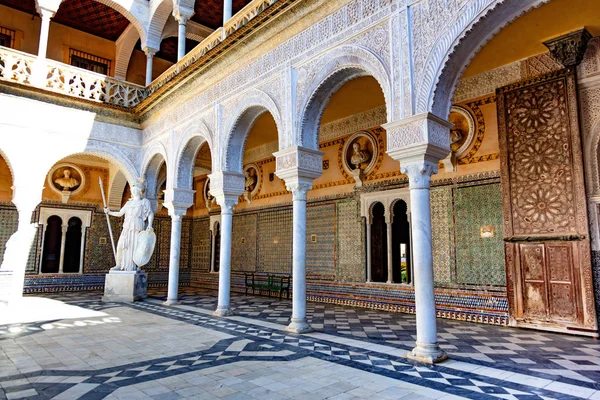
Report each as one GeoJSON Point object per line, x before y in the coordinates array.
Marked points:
{"type": "Point", "coordinates": [539, 141]}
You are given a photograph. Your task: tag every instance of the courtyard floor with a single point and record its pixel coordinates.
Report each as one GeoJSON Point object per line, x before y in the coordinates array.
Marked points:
{"type": "Point", "coordinates": [75, 347]}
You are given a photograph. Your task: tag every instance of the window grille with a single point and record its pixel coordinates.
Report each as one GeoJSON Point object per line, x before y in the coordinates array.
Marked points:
{"type": "Point", "coordinates": [89, 61]}
{"type": "Point", "coordinates": [7, 37]}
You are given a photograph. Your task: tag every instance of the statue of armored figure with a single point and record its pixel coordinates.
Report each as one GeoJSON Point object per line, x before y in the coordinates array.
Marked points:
{"type": "Point", "coordinates": [138, 218]}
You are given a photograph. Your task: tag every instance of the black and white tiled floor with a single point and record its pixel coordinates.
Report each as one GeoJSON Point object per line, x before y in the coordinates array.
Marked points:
{"type": "Point", "coordinates": [147, 350]}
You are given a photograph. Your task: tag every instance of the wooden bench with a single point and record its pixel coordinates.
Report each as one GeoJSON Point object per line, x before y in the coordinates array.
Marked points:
{"type": "Point", "coordinates": [267, 282]}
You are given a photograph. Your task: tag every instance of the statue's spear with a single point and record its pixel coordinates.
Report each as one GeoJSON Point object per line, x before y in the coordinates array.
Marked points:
{"type": "Point", "coordinates": [112, 240]}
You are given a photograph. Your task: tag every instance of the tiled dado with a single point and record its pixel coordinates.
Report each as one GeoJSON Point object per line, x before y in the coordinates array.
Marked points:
{"type": "Point", "coordinates": [596, 279]}
{"type": "Point", "coordinates": [465, 305]}
{"type": "Point", "coordinates": [75, 282]}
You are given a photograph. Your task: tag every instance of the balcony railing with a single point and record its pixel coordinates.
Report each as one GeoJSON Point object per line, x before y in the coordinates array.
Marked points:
{"type": "Point", "coordinates": [25, 69]}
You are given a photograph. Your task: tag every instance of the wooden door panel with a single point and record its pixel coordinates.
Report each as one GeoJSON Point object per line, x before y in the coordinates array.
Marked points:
{"type": "Point", "coordinates": [535, 294]}
{"type": "Point", "coordinates": [544, 205]}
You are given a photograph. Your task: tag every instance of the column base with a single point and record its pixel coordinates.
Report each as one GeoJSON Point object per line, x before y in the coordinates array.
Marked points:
{"type": "Point", "coordinates": [171, 302]}
{"type": "Point", "coordinates": [427, 353]}
{"type": "Point", "coordinates": [390, 282]}
{"type": "Point", "coordinates": [223, 312]}
{"type": "Point", "coordinates": [298, 326]}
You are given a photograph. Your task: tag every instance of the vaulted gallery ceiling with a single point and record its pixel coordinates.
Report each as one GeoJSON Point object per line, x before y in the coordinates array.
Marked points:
{"type": "Point", "coordinates": [97, 19]}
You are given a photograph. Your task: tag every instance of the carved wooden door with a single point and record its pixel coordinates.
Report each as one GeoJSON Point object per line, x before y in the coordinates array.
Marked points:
{"type": "Point", "coordinates": [548, 267]}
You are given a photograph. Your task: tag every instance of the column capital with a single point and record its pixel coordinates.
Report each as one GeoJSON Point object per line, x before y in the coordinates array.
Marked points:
{"type": "Point", "coordinates": [227, 202]}
{"type": "Point", "coordinates": [150, 52]}
{"type": "Point", "coordinates": [299, 162]}
{"type": "Point", "coordinates": [47, 8]}
{"type": "Point", "coordinates": [419, 173]}
{"type": "Point", "coordinates": [420, 137]}
{"type": "Point", "coordinates": [299, 186]}
{"type": "Point", "coordinates": [182, 14]}
{"type": "Point", "coordinates": [177, 201]}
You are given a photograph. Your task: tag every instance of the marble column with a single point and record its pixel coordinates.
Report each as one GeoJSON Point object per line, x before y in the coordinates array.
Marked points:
{"type": "Point", "coordinates": [63, 239]}
{"type": "Point", "coordinates": [369, 278]}
{"type": "Point", "coordinates": [149, 58]}
{"type": "Point", "coordinates": [226, 203]}
{"type": "Point", "coordinates": [82, 249]}
{"type": "Point", "coordinates": [46, 15]}
{"type": "Point", "coordinates": [16, 254]}
{"type": "Point", "coordinates": [181, 38]}
{"type": "Point", "coordinates": [427, 348]}
{"type": "Point", "coordinates": [390, 259]}
{"type": "Point", "coordinates": [172, 292]}
{"type": "Point", "coordinates": [227, 11]}
{"type": "Point", "coordinates": [299, 190]}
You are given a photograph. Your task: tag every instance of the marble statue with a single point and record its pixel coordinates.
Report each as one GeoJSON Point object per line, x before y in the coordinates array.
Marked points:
{"type": "Point", "coordinates": [67, 182]}
{"type": "Point", "coordinates": [359, 156]}
{"type": "Point", "coordinates": [138, 217]}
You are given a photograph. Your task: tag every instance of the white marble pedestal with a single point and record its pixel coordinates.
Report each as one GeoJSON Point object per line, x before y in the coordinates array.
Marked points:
{"type": "Point", "coordinates": [125, 286]}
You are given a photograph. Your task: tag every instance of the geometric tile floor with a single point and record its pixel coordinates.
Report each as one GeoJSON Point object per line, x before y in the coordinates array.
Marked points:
{"type": "Point", "coordinates": [146, 350]}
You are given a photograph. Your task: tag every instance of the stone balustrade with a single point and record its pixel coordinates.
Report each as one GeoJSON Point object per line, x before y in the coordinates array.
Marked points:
{"type": "Point", "coordinates": [26, 69]}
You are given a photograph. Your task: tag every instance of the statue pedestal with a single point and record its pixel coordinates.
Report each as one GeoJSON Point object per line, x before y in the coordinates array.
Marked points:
{"type": "Point", "coordinates": [125, 286]}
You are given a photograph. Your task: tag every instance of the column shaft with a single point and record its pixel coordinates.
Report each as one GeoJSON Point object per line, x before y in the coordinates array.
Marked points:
{"type": "Point", "coordinates": [82, 249]}
{"type": "Point", "coordinates": [298, 323]}
{"type": "Point", "coordinates": [390, 259]}
{"type": "Point", "coordinates": [44, 31]}
{"type": "Point", "coordinates": [63, 239]}
{"type": "Point", "coordinates": [227, 11]}
{"type": "Point", "coordinates": [223, 308]}
{"type": "Point", "coordinates": [149, 58]}
{"type": "Point", "coordinates": [181, 39]}
{"type": "Point", "coordinates": [369, 278]}
{"type": "Point", "coordinates": [427, 349]}
{"type": "Point", "coordinates": [172, 296]}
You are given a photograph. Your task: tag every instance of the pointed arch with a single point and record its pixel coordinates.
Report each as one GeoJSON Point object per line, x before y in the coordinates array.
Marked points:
{"type": "Point", "coordinates": [339, 66]}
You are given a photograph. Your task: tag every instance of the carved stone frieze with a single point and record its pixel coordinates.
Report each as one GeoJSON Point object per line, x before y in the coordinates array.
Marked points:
{"type": "Point", "coordinates": [420, 136]}
{"type": "Point", "coordinates": [299, 162]}
{"type": "Point", "coordinates": [226, 184]}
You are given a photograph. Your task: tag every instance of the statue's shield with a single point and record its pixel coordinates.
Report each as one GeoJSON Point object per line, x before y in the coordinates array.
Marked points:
{"type": "Point", "coordinates": [144, 247]}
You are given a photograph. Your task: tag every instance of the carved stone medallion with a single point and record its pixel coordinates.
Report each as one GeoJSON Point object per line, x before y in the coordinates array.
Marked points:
{"type": "Point", "coordinates": [463, 131]}
{"type": "Point", "coordinates": [209, 199]}
{"type": "Point", "coordinates": [251, 181]}
{"type": "Point", "coordinates": [66, 179]}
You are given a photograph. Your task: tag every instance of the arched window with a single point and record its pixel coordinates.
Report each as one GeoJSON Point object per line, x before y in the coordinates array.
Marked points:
{"type": "Point", "coordinates": [52, 245]}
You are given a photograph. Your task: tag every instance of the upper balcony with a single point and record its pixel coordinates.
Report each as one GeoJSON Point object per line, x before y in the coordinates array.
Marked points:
{"type": "Point", "coordinates": [24, 70]}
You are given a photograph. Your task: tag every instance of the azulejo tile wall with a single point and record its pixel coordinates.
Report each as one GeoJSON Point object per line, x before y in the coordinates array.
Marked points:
{"type": "Point", "coordinates": [8, 225]}
{"type": "Point", "coordinates": [351, 252]}
{"type": "Point", "coordinates": [442, 234]}
{"type": "Point", "coordinates": [275, 241]}
{"type": "Point", "coordinates": [320, 253]}
{"type": "Point", "coordinates": [243, 253]}
{"type": "Point", "coordinates": [201, 243]}
{"type": "Point", "coordinates": [479, 261]}
{"type": "Point", "coordinates": [99, 257]}
{"type": "Point", "coordinates": [596, 279]}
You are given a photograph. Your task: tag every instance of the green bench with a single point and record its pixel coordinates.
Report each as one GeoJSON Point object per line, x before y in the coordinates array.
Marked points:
{"type": "Point", "coordinates": [267, 282]}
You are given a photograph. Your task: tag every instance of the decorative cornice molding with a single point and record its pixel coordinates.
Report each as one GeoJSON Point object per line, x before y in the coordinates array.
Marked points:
{"type": "Point", "coordinates": [569, 49]}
